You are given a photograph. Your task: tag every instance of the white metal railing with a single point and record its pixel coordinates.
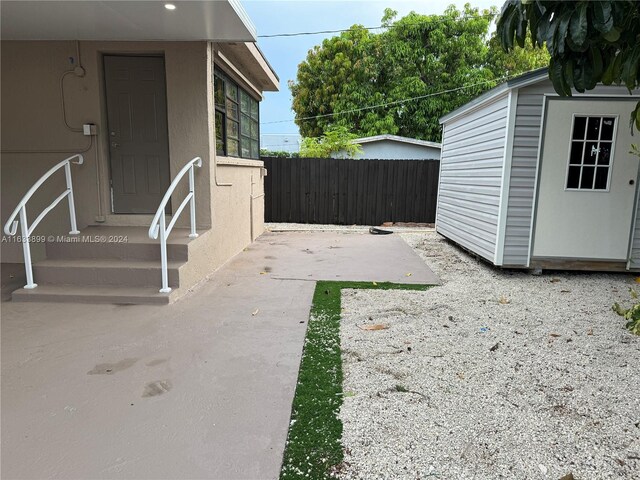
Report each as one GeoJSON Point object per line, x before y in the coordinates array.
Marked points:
{"type": "Point", "coordinates": [158, 225]}
{"type": "Point", "coordinates": [11, 227]}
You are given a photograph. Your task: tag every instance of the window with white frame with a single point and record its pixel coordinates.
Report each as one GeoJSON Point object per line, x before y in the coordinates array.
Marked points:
{"type": "Point", "coordinates": [237, 119]}
{"type": "Point", "coordinates": [591, 152]}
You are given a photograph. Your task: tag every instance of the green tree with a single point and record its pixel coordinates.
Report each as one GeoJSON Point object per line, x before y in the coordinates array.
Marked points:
{"type": "Point", "coordinates": [336, 139]}
{"type": "Point", "coordinates": [518, 60]}
{"type": "Point", "coordinates": [588, 42]}
{"type": "Point", "coordinates": [361, 80]}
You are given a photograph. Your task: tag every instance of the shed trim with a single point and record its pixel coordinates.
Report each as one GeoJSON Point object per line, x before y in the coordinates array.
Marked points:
{"type": "Point", "coordinates": [439, 189]}
{"type": "Point", "coordinates": [506, 176]}
{"type": "Point", "coordinates": [634, 221]}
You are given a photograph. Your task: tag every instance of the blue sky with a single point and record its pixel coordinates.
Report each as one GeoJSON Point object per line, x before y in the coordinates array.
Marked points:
{"type": "Point", "coordinates": [284, 54]}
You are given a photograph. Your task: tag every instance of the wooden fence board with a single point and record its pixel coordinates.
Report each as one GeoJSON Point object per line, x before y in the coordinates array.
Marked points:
{"type": "Point", "coordinates": [346, 191]}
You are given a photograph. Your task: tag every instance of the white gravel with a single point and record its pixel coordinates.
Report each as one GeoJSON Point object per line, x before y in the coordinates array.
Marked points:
{"type": "Point", "coordinates": [559, 394]}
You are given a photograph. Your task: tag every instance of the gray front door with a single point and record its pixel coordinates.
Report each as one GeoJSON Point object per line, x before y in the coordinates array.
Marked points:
{"type": "Point", "coordinates": [138, 139]}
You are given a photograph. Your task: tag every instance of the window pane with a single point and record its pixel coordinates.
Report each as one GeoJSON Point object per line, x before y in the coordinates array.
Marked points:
{"type": "Point", "coordinates": [576, 153]}
{"type": "Point", "coordinates": [245, 125]}
{"type": "Point", "coordinates": [254, 129]}
{"type": "Point", "coordinates": [232, 148]}
{"type": "Point", "coordinates": [232, 91]}
{"type": "Point", "coordinates": [254, 109]}
{"type": "Point", "coordinates": [245, 147]}
{"type": "Point", "coordinates": [232, 109]}
{"type": "Point", "coordinates": [573, 178]}
{"type": "Point", "coordinates": [590, 153]}
{"type": "Point", "coordinates": [593, 128]}
{"type": "Point", "coordinates": [244, 102]}
{"type": "Point", "coordinates": [219, 133]}
{"type": "Point", "coordinates": [255, 149]}
{"type": "Point", "coordinates": [579, 124]}
{"type": "Point", "coordinates": [587, 178]}
{"type": "Point", "coordinates": [607, 128]}
{"type": "Point", "coordinates": [232, 129]}
{"type": "Point", "coordinates": [602, 175]}
{"type": "Point", "coordinates": [218, 84]}
{"type": "Point", "coordinates": [605, 153]}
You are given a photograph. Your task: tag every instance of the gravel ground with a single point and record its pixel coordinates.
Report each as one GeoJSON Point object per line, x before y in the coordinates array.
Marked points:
{"type": "Point", "coordinates": [494, 374]}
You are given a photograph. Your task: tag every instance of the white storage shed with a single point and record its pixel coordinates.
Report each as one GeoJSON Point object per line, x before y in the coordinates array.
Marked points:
{"type": "Point", "coordinates": [529, 179]}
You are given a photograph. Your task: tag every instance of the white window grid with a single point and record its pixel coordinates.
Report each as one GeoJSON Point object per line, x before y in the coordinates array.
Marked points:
{"type": "Point", "coordinates": [584, 142]}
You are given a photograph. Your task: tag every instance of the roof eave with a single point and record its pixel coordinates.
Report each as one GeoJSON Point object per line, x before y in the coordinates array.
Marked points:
{"type": "Point", "coordinates": [133, 20]}
{"type": "Point", "coordinates": [523, 80]}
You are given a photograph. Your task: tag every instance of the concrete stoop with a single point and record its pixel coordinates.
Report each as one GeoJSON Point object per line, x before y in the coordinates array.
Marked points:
{"type": "Point", "coordinates": [118, 265]}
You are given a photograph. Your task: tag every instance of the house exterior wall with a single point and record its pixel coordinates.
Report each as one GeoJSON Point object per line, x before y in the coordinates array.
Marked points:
{"type": "Point", "coordinates": [526, 141]}
{"type": "Point", "coordinates": [471, 167]}
{"type": "Point", "coordinates": [392, 150]}
{"type": "Point", "coordinates": [34, 138]}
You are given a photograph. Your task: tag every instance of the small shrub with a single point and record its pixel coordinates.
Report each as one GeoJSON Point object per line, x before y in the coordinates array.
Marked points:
{"type": "Point", "coordinates": [631, 314]}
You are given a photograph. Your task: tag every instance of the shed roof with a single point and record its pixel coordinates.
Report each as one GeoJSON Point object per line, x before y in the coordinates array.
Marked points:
{"type": "Point", "coordinates": [397, 138]}
{"type": "Point", "coordinates": [534, 76]}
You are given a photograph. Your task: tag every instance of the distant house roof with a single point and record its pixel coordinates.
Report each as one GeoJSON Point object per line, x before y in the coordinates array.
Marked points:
{"type": "Point", "coordinates": [397, 138]}
{"type": "Point", "coordinates": [528, 78]}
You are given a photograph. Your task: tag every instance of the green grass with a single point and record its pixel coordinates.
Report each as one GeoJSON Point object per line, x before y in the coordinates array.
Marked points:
{"type": "Point", "coordinates": [314, 447]}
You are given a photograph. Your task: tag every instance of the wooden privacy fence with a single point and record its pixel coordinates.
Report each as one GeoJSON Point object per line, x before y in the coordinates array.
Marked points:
{"type": "Point", "coordinates": [345, 192]}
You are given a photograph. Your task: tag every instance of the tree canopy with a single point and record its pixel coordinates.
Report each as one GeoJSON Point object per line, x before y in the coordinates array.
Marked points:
{"type": "Point", "coordinates": [588, 42]}
{"type": "Point", "coordinates": [336, 138]}
{"type": "Point", "coordinates": [393, 82]}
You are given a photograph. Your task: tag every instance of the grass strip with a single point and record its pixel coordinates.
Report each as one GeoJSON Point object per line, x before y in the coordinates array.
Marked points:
{"type": "Point", "coordinates": [314, 446]}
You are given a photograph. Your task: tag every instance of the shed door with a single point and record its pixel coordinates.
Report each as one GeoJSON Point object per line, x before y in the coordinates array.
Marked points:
{"type": "Point", "coordinates": [587, 181]}
{"type": "Point", "coordinates": [138, 138]}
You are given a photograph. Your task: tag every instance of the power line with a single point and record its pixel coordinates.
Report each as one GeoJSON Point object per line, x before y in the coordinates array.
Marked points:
{"type": "Point", "coordinates": [396, 102]}
{"type": "Point", "coordinates": [319, 32]}
{"type": "Point", "coordinates": [379, 27]}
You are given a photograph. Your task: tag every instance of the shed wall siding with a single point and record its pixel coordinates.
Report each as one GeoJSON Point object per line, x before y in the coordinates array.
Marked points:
{"type": "Point", "coordinates": [526, 139]}
{"type": "Point", "coordinates": [526, 135]}
{"type": "Point", "coordinates": [471, 166]}
{"type": "Point", "coordinates": [634, 261]}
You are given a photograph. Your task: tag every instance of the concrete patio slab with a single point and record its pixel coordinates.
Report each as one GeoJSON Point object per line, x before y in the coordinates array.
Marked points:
{"type": "Point", "coordinates": [338, 256]}
{"type": "Point", "coordinates": [198, 389]}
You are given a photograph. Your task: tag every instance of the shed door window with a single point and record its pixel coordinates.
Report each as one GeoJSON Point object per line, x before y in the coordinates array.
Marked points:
{"type": "Point", "coordinates": [591, 152]}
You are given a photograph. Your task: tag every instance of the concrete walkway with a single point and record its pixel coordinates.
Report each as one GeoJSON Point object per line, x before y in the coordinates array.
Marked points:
{"type": "Point", "coordinates": [198, 389]}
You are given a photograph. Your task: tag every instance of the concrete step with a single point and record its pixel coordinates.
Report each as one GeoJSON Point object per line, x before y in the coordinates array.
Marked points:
{"type": "Point", "coordinates": [125, 243]}
{"type": "Point", "coordinates": [106, 264]}
{"type": "Point", "coordinates": [101, 271]}
{"type": "Point", "coordinates": [94, 294]}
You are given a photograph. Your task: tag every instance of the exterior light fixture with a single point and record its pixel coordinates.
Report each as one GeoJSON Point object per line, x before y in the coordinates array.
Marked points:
{"type": "Point", "coordinates": [169, 6]}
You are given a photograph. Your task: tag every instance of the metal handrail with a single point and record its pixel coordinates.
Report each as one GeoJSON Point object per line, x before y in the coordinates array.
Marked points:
{"type": "Point", "coordinates": [158, 224]}
{"type": "Point", "coordinates": [11, 227]}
